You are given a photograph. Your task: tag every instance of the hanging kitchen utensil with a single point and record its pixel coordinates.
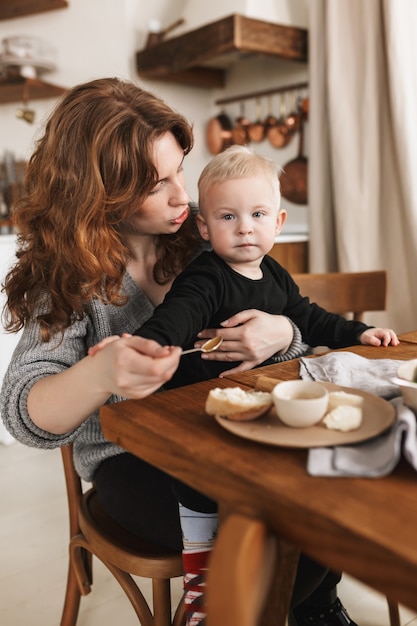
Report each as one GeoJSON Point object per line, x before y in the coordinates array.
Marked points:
{"type": "Point", "coordinates": [278, 135]}
{"type": "Point", "coordinates": [24, 112]}
{"type": "Point", "coordinates": [240, 130]}
{"type": "Point", "coordinates": [293, 119]}
{"type": "Point", "coordinates": [270, 119]}
{"type": "Point", "coordinates": [256, 130]}
{"type": "Point", "coordinates": [293, 179]}
{"type": "Point", "coordinates": [304, 106]}
{"type": "Point", "coordinates": [219, 133]}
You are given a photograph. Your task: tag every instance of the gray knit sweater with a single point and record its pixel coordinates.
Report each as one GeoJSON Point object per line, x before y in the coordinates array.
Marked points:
{"type": "Point", "coordinates": [32, 361]}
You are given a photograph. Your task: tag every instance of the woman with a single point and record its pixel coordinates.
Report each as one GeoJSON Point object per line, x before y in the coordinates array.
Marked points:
{"type": "Point", "coordinates": [104, 228]}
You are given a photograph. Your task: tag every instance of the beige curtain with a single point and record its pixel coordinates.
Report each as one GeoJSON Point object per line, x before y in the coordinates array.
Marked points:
{"type": "Point", "coordinates": [363, 145]}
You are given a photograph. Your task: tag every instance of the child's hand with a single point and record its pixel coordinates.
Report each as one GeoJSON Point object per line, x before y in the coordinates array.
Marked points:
{"type": "Point", "coordinates": [379, 337]}
{"type": "Point", "coordinates": [104, 342]}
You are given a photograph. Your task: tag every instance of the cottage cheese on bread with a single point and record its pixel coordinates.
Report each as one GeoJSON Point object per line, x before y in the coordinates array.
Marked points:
{"type": "Point", "coordinates": [237, 404]}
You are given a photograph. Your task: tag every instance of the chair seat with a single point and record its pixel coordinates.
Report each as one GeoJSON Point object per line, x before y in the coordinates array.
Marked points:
{"type": "Point", "coordinates": [123, 548]}
{"type": "Point", "coordinates": [93, 533]}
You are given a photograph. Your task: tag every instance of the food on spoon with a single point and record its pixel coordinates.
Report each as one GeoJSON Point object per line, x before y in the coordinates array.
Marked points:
{"type": "Point", "coordinates": [236, 404]}
{"type": "Point", "coordinates": [344, 417]}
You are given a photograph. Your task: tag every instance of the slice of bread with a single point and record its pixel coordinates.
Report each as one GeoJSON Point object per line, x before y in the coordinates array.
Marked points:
{"type": "Point", "coordinates": [236, 404]}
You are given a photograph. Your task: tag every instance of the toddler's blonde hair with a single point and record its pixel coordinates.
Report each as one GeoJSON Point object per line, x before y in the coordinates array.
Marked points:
{"type": "Point", "coordinates": [238, 162]}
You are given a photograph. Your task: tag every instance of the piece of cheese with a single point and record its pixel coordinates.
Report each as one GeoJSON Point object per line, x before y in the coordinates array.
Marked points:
{"type": "Point", "coordinates": [344, 417]}
{"type": "Point", "coordinates": [338, 398]}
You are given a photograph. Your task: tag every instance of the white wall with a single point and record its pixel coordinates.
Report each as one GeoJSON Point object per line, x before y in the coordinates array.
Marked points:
{"type": "Point", "coordinates": [96, 38]}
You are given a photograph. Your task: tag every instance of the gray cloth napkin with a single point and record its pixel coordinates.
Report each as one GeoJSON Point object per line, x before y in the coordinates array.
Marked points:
{"type": "Point", "coordinates": [376, 457]}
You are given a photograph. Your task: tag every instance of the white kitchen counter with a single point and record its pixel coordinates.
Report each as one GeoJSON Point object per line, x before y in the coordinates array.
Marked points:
{"type": "Point", "coordinates": [291, 238]}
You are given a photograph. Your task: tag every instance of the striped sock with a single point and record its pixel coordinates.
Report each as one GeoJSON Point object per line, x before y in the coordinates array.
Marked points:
{"type": "Point", "coordinates": [199, 532]}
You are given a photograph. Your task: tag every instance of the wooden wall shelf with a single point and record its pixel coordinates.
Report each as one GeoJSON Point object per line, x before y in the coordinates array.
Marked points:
{"type": "Point", "coordinates": [27, 89]}
{"type": "Point", "coordinates": [10, 9]}
{"type": "Point", "coordinates": [201, 57]}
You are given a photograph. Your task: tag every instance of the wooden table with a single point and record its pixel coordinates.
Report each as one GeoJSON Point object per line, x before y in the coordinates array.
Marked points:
{"type": "Point", "coordinates": [365, 527]}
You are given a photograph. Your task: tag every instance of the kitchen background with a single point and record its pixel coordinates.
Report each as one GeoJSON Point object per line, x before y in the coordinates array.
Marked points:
{"type": "Point", "coordinates": [95, 38]}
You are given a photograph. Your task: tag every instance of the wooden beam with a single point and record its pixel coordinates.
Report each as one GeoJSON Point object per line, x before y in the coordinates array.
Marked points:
{"type": "Point", "coordinates": [10, 9]}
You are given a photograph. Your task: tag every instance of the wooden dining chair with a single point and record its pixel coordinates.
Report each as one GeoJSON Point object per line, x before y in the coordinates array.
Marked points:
{"type": "Point", "coordinates": [346, 293]}
{"type": "Point", "coordinates": [94, 533]}
{"type": "Point", "coordinates": [350, 294]}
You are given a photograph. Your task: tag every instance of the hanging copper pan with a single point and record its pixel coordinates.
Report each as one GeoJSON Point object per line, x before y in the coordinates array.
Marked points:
{"type": "Point", "coordinates": [240, 129]}
{"type": "Point", "coordinates": [256, 130]}
{"type": "Point", "coordinates": [278, 135]}
{"type": "Point", "coordinates": [293, 180]}
{"type": "Point", "coordinates": [219, 133]}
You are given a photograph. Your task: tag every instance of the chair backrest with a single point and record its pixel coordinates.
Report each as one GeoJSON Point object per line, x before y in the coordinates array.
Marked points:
{"type": "Point", "coordinates": [74, 488]}
{"type": "Point", "coordinates": [346, 292]}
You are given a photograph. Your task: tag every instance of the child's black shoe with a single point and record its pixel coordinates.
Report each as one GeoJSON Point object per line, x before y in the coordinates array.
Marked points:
{"type": "Point", "coordinates": [333, 615]}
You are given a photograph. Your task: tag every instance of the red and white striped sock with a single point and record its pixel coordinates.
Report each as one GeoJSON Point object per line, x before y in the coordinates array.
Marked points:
{"type": "Point", "coordinates": [195, 567]}
{"type": "Point", "coordinates": [199, 532]}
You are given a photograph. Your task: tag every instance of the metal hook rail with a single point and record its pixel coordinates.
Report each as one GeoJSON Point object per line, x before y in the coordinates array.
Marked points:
{"type": "Point", "coordinates": [260, 94]}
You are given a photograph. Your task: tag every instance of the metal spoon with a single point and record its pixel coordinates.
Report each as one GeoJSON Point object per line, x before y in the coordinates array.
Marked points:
{"type": "Point", "coordinates": [208, 346]}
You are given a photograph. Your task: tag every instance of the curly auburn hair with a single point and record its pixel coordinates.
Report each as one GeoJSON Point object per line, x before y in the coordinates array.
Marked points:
{"type": "Point", "coordinates": [88, 174]}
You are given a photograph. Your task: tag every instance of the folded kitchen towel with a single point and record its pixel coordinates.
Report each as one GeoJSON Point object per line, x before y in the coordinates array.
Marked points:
{"type": "Point", "coordinates": [376, 457]}
{"type": "Point", "coordinates": [351, 370]}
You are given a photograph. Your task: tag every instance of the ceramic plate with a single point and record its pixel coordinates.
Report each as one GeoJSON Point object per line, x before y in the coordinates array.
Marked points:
{"type": "Point", "coordinates": [378, 415]}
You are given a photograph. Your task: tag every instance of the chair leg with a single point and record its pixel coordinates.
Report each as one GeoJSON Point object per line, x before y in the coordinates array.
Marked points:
{"type": "Point", "coordinates": [180, 617]}
{"type": "Point", "coordinates": [72, 599]}
{"type": "Point", "coordinates": [161, 593]}
{"type": "Point", "coordinates": [81, 561]}
{"type": "Point", "coordinates": [79, 580]}
{"type": "Point", "coordinates": [133, 593]}
{"type": "Point", "coordinates": [394, 613]}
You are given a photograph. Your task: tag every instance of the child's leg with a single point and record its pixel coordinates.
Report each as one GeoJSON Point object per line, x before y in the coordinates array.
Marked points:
{"type": "Point", "coordinates": [198, 519]}
{"type": "Point", "coordinates": [199, 532]}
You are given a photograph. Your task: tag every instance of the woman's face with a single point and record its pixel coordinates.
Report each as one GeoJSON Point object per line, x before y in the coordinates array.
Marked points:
{"type": "Point", "coordinates": [166, 208]}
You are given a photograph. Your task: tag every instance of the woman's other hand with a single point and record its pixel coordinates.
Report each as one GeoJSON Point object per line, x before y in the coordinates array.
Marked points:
{"type": "Point", "coordinates": [250, 336]}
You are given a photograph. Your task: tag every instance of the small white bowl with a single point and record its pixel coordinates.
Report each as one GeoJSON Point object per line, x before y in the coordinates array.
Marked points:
{"type": "Point", "coordinates": [407, 371]}
{"type": "Point", "coordinates": [300, 403]}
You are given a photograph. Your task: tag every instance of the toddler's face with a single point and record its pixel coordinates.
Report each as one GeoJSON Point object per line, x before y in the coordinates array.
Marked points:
{"type": "Point", "coordinates": [241, 218]}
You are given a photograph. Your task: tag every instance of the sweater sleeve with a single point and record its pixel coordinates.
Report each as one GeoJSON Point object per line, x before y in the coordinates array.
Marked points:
{"type": "Point", "coordinates": [30, 363]}
{"type": "Point", "coordinates": [187, 308]}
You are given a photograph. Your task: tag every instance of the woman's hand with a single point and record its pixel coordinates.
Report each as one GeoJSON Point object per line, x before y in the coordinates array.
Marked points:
{"type": "Point", "coordinates": [379, 337]}
{"type": "Point", "coordinates": [134, 367]}
{"type": "Point", "coordinates": [131, 367]}
{"type": "Point", "coordinates": [250, 336]}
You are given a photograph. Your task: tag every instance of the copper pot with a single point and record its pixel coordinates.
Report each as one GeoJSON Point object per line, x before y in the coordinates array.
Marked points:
{"type": "Point", "coordinates": [293, 119]}
{"type": "Point", "coordinates": [240, 131]}
{"type": "Point", "coordinates": [270, 119]}
{"type": "Point", "coordinates": [293, 179]}
{"type": "Point", "coordinates": [219, 133]}
{"type": "Point", "coordinates": [279, 135]}
{"type": "Point", "coordinates": [256, 130]}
